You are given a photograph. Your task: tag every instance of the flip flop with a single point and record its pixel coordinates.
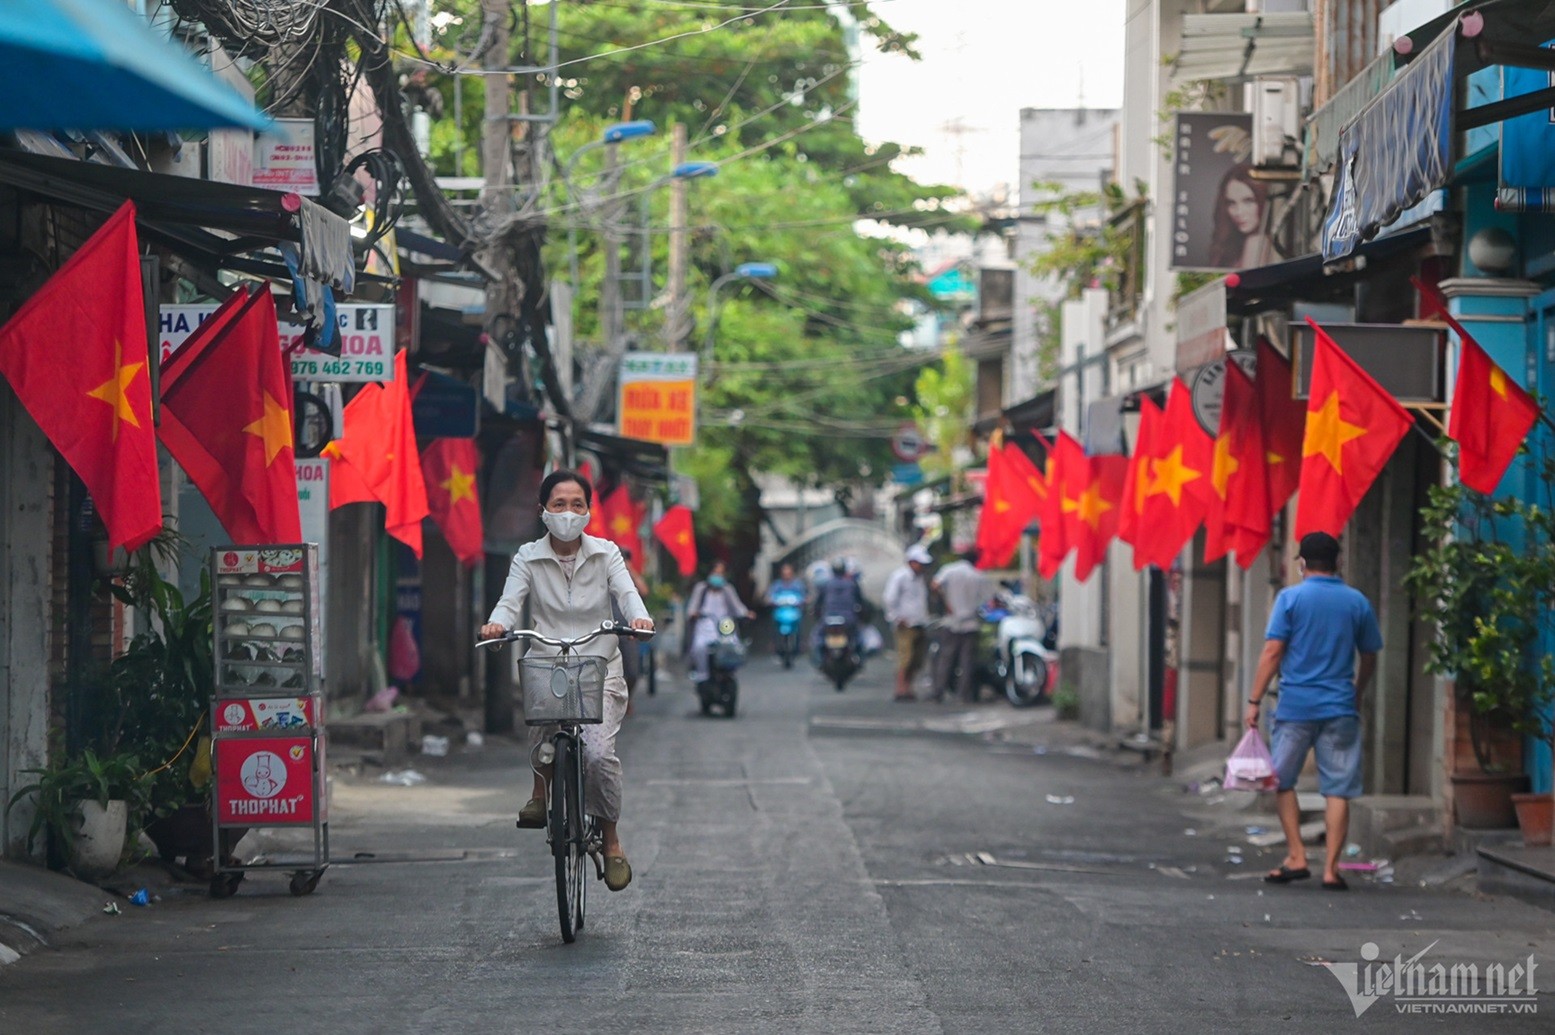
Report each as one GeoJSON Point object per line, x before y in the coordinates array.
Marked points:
{"type": "Point", "coordinates": [1284, 875]}
{"type": "Point", "coordinates": [1337, 884]}
{"type": "Point", "coordinates": [618, 872]}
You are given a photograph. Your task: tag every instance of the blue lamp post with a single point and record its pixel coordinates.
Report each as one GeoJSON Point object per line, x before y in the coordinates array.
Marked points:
{"type": "Point", "coordinates": [744, 271]}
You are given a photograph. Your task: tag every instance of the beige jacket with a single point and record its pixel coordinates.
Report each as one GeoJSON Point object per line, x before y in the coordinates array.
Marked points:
{"type": "Point", "coordinates": [563, 607]}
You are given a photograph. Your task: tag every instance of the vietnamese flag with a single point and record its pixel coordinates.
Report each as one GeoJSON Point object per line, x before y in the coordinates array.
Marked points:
{"type": "Point", "coordinates": [1283, 421]}
{"type": "Point", "coordinates": [1066, 472]}
{"type": "Point", "coordinates": [1491, 417]}
{"type": "Point", "coordinates": [1141, 469]}
{"type": "Point", "coordinates": [1009, 504]}
{"type": "Point", "coordinates": [1179, 492]}
{"type": "Point", "coordinates": [1247, 517]}
{"type": "Point", "coordinates": [625, 521]}
{"type": "Point", "coordinates": [75, 354]}
{"type": "Point", "coordinates": [1353, 427]}
{"type": "Point", "coordinates": [379, 456]}
{"type": "Point", "coordinates": [599, 511]}
{"type": "Point", "coordinates": [1239, 516]}
{"type": "Point", "coordinates": [448, 467]}
{"type": "Point", "coordinates": [1096, 509]}
{"type": "Point", "coordinates": [675, 532]}
{"type": "Point", "coordinates": [227, 419]}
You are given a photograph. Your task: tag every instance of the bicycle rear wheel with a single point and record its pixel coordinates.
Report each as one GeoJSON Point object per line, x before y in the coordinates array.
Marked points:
{"type": "Point", "coordinates": [567, 835]}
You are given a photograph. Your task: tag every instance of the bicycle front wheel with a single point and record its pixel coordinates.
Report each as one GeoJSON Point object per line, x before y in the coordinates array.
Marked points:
{"type": "Point", "coordinates": [567, 835]}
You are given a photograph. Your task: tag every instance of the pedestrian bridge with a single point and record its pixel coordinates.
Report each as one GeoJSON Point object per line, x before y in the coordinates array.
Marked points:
{"type": "Point", "coordinates": [877, 550]}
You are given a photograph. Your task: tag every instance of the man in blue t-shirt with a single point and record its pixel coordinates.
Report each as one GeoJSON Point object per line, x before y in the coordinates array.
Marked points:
{"type": "Point", "coordinates": [1315, 632]}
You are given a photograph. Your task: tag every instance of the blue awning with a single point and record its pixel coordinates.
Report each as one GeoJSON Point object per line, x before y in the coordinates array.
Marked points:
{"type": "Point", "coordinates": [95, 64]}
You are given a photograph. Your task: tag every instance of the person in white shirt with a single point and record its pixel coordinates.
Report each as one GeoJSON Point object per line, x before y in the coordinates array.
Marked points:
{"type": "Point", "coordinates": [568, 580]}
{"type": "Point", "coordinates": [906, 602]}
{"type": "Point", "coordinates": [710, 600]}
{"type": "Point", "coordinates": [963, 589]}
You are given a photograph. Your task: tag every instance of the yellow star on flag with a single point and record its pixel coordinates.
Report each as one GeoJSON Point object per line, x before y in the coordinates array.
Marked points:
{"type": "Point", "coordinates": [114, 390]}
{"type": "Point", "coordinates": [1000, 506]}
{"type": "Point", "coordinates": [1170, 475]}
{"type": "Point", "coordinates": [1091, 506]}
{"type": "Point", "coordinates": [1498, 381]}
{"type": "Point", "coordinates": [274, 429]}
{"type": "Point", "coordinates": [1327, 432]}
{"type": "Point", "coordinates": [1225, 465]}
{"type": "Point", "coordinates": [460, 485]}
{"type": "Point", "coordinates": [621, 524]}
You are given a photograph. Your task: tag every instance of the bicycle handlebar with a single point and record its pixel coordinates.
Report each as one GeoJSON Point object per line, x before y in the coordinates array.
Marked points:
{"type": "Point", "coordinates": [606, 628]}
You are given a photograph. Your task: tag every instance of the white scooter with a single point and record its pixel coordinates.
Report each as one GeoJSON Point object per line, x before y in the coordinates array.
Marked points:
{"type": "Point", "coordinates": [1025, 664]}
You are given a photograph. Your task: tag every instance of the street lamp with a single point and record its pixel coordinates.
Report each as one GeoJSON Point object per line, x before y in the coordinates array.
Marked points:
{"type": "Point", "coordinates": [744, 271]}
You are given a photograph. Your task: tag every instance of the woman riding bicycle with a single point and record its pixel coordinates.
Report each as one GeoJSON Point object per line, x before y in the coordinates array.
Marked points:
{"type": "Point", "coordinates": [568, 580]}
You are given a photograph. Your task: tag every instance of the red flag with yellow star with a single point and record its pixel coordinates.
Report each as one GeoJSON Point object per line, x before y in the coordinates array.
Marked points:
{"type": "Point", "coordinates": [1353, 427]}
{"type": "Point", "coordinates": [1066, 471]}
{"type": "Point", "coordinates": [1010, 501]}
{"type": "Point", "coordinates": [1283, 421]}
{"type": "Point", "coordinates": [448, 467]}
{"type": "Point", "coordinates": [675, 531]}
{"type": "Point", "coordinates": [227, 420]}
{"type": "Point", "coordinates": [1239, 514]}
{"type": "Point", "coordinates": [377, 455]}
{"type": "Point", "coordinates": [1178, 493]}
{"type": "Point", "coordinates": [1095, 510]}
{"type": "Point", "coordinates": [1491, 418]}
{"type": "Point", "coordinates": [75, 354]}
{"type": "Point", "coordinates": [624, 522]}
{"type": "Point", "coordinates": [1136, 482]}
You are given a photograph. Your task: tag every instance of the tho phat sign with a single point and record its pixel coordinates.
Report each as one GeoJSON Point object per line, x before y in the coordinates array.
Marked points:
{"type": "Point", "coordinates": [366, 341]}
{"type": "Point", "coordinates": [657, 400]}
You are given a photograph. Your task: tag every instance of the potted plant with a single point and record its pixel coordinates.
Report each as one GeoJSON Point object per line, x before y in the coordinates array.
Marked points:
{"type": "Point", "coordinates": [83, 805]}
{"type": "Point", "coordinates": [1487, 580]}
{"type": "Point", "coordinates": [155, 698]}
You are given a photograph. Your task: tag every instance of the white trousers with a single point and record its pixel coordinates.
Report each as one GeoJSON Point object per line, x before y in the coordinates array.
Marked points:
{"type": "Point", "coordinates": [602, 768]}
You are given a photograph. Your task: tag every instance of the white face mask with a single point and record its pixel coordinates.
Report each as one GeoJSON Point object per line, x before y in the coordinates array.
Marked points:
{"type": "Point", "coordinates": [566, 525]}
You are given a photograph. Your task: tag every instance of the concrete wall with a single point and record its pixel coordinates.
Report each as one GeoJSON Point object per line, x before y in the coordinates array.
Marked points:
{"type": "Point", "coordinates": [26, 538]}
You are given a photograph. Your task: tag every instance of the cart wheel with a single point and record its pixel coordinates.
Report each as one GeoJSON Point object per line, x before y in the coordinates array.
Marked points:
{"type": "Point", "coordinates": [225, 885]}
{"type": "Point", "coordinates": [303, 882]}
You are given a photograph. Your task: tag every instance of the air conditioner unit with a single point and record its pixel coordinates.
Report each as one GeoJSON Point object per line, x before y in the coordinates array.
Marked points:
{"type": "Point", "coordinates": [1276, 104]}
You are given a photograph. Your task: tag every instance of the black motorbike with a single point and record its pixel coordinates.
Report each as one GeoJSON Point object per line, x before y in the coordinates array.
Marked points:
{"type": "Point", "coordinates": [840, 656]}
{"type": "Point", "coordinates": [725, 657]}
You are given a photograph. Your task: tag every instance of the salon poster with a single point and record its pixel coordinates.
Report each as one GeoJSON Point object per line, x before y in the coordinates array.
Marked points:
{"type": "Point", "coordinates": [1220, 210]}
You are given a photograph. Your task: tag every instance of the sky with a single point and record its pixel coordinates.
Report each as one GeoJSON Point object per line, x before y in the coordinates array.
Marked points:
{"type": "Point", "coordinates": [983, 61]}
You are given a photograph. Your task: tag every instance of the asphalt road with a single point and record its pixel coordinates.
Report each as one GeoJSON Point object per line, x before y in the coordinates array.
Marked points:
{"type": "Point", "coordinates": [816, 865]}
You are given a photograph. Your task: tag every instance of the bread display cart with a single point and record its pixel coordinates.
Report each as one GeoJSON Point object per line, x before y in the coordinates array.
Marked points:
{"type": "Point", "coordinates": [267, 716]}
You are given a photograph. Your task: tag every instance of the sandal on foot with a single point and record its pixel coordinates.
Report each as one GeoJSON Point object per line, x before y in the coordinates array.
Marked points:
{"type": "Point", "coordinates": [532, 815]}
{"type": "Point", "coordinates": [1337, 884]}
{"type": "Point", "coordinates": [618, 872]}
{"type": "Point", "coordinates": [1284, 875]}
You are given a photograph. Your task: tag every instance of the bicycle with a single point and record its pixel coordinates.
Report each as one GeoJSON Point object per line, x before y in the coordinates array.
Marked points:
{"type": "Point", "coordinates": [566, 690]}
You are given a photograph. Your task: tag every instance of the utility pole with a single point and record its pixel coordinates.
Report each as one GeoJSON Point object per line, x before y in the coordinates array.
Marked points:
{"type": "Point", "coordinates": [601, 373]}
{"type": "Point", "coordinates": [675, 317]}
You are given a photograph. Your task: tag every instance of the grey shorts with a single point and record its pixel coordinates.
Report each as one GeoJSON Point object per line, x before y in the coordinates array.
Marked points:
{"type": "Point", "coordinates": [1338, 745]}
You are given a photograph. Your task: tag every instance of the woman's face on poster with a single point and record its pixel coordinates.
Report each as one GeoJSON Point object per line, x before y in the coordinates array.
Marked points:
{"type": "Point", "coordinates": [1243, 208]}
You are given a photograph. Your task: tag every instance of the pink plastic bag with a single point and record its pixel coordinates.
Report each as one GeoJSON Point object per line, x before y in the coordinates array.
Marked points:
{"type": "Point", "coordinates": [1250, 768]}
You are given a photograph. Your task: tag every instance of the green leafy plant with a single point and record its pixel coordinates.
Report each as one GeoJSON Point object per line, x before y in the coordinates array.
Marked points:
{"type": "Point", "coordinates": [62, 786]}
{"type": "Point", "coordinates": [1487, 580]}
{"type": "Point", "coordinates": [1066, 703]}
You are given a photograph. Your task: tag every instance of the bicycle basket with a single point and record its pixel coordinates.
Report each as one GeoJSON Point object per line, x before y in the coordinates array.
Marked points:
{"type": "Point", "coordinates": [570, 689]}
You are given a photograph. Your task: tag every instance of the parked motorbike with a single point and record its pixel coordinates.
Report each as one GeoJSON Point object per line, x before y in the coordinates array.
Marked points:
{"type": "Point", "coordinates": [1023, 663]}
{"type": "Point", "coordinates": [787, 612]}
{"type": "Point", "coordinates": [725, 657]}
{"type": "Point", "coordinates": [840, 657]}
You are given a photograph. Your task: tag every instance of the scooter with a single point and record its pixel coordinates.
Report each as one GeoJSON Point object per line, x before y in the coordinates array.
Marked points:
{"type": "Point", "coordinates": [840, 659]}
{"type": "Point", "coordinates": [725, 656]}
{"type": "Point", "coordinates": [787, 612]}
{"type": "Point", "coordinates": [1024, 661]}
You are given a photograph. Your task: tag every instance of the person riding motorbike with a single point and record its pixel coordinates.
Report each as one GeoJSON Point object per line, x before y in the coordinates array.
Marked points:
{"type": "Point", "coordinates": [839, 596]}
{"type": "Point", "coordinates": [786, 596]}
{"type": "Point", "coordinates": [568, 581]}
{"type": "Point", "coordinates": [711, 599]}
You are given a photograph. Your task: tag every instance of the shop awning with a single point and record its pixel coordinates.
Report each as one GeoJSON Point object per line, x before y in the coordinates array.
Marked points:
{"type": "Point", "coordinates": [220, 220]}
{"type": "Point", "coordinates": [1279, 284]}
{"type": "Point", "coordinates": [645, 461]}
{"type": "Point", "coordinates": [1240, 46]}
{"type": "Point", "coordinates": [95, 64]}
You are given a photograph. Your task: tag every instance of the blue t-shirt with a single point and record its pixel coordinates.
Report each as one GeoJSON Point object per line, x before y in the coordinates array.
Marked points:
{"type": "Point", "coordinates": [1322, 622]}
